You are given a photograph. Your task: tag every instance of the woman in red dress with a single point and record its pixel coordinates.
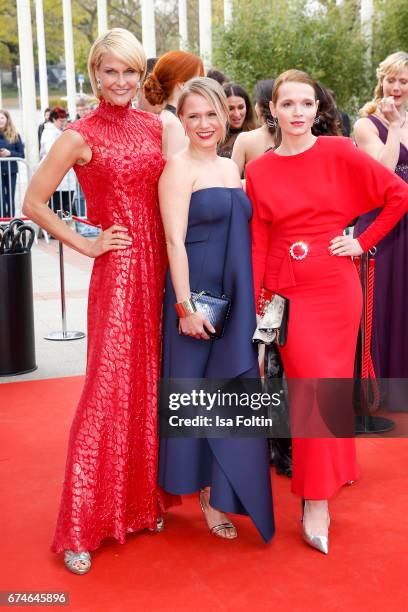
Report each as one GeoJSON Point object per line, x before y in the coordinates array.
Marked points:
{"type": "Point", "coordinates": [304, 194]}
{"type": "Point", "coordinates": [110, 486]}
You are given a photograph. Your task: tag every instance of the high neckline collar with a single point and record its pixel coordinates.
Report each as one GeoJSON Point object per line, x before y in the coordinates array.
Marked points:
{"type": "Point", "coordinates": [112, 112]}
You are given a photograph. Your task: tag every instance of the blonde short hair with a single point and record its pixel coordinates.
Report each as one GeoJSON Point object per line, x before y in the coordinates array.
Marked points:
{"type": "Point", "coordinates": [212, 92]}
{"type": "Point", "coordinates": [124, 45]}
{"type": "Point", "coordinates": [392, 65]}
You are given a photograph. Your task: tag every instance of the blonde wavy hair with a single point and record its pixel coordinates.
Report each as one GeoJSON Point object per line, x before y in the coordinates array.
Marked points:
{"type": "Point", "coordinates": [9, 131]}
{"type": "Point", "coordinates": [392, 65]}
{"type": "Point", "coordinates": [121, 43]}
{"type": "Point", "coordinates": [212, 92]}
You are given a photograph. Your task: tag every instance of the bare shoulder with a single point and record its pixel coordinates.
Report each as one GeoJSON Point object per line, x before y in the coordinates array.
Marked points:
{"type": "Point", "coordinates": [253, 135]}
{"type": "Point", "coordinates": [243, 137]}
{"type": "Point", "coordinates": [173, 127]}
{"type": "Point", "coordinates": [168, 119]}
{"type": "Point", "coordinates": [72, 138]}
{"type": "Point", "coordinates": [227, 163]}
{"type": "Point", "coordinates": [178, 167]}
{"type": "Point", "coordinates": [365, 122]}
{"type": "Point", "coordinates": [229, 168]}
{"type": "Point", "coordinates": [363, 125]}
{"type": "Point", "coordinates": [73, 145]}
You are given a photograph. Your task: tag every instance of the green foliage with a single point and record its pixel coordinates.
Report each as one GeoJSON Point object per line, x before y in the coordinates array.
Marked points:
{"type": "Point", "coordinates": [267, 38]}
{"type": "Point", "coordinates": [8, 34]}
{"type": "Point", "coordinates": [390, 28]}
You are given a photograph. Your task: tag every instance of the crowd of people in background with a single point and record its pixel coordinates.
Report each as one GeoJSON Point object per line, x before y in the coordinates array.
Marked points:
{"type": "Point", "coordinates": [250, 126]}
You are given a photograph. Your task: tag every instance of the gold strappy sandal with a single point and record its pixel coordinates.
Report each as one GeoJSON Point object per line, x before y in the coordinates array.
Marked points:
{"type": "Point", "coordinates": [222, 529]}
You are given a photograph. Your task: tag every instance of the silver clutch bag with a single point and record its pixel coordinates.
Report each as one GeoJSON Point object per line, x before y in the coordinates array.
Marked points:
{"type": "Point", "coordinates": [273, 323]}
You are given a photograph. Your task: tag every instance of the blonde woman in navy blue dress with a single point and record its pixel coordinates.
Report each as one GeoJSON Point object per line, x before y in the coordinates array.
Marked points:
{"type": "Point", "coordinates": [205, 215]}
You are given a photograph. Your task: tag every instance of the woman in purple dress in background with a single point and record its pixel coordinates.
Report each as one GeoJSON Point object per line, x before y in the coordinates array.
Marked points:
{"type": "Point", "coordinates": [382, 132]}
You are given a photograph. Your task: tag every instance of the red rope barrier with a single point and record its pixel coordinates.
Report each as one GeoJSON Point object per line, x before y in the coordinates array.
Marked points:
{"type": "Point", "coordinates": [367, 365]}
{"type": "Point", "coordinates": [7, 219]}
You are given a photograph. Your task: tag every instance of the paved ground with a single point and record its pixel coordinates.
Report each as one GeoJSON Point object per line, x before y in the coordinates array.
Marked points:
{"type": "Point", "coordinates": [67, 358]}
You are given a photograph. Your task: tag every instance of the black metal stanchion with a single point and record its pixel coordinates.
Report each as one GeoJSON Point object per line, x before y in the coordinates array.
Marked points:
{"type": "Point", "coordinates": [64, 334]}
{"type": "Point", "coordinates": [366, 423]}
{"type": "Point", "coordinates": [17, 338]}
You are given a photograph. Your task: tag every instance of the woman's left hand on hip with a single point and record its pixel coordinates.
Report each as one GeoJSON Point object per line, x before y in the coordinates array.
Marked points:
{"type": "Point", "coordinates": [345, 246]}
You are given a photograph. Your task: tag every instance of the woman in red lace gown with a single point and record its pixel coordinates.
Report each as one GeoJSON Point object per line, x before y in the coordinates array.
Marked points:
{"type": "Point", "coordinates": [110, 486]}
{"type": "Point", "coordinates": [304, 194]}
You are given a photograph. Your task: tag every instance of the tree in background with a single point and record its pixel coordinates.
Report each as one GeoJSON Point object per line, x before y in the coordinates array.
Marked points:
{"type": "Point", "coordinates": [390, 29]}
{"type": "Point", "coordinates": [323, 39]}
{"type": "Point", "coordinates": [8, 34]}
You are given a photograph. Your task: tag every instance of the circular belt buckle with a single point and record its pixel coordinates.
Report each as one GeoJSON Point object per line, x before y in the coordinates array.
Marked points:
{"type": "Point", "coordinates": [300, 245]}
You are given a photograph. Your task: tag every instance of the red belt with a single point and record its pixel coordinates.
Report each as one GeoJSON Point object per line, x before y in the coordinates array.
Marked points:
{"type": "Point", "coordinates": [297, 251]}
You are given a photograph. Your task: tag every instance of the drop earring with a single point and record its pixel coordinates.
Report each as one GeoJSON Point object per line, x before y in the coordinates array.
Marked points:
{"type": "Point", "coordinates": [317, 120]}
{"type": "Point", "coordinates": [98, 84]}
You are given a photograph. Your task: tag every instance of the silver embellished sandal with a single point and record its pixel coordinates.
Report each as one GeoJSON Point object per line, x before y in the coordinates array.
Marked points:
{"type": "Point", "coordinates": [77, 563]}
{"type": "Point", "coordinates": [159, 524]}
{"type": "Point", "coordinates": [222, 529]}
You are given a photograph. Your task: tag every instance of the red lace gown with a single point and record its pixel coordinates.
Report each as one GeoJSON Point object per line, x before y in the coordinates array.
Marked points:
{"type": "Point", "coordinates": [110, 486]}
{"type": "Point", "coordinates": [312, 197]}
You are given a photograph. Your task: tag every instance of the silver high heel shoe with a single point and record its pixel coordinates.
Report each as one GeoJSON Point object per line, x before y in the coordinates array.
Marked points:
{"type": "Point", "coordinates": [319, 542]}
{"type": "Point", "coordinates": [77, 563]}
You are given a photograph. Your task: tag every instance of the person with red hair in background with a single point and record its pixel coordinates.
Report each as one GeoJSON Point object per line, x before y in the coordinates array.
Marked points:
{"type": "Point", "coordinates": [165, 82]}
{"type": "Point", "coordinates": [142, 103]}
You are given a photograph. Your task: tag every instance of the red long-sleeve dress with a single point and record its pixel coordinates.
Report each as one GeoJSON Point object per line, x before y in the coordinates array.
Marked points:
{"type": "Point", "coordinates": [110, 486]}
{"type": "Point", "coordinates": [312, 197]}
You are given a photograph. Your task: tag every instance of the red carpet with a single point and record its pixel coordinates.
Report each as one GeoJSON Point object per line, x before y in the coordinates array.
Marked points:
{"type": "Point", "coordinates": [184, 568]}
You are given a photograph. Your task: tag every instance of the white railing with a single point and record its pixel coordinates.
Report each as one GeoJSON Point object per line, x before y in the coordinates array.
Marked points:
{"type": "Point", "coordinates": [15, 174]}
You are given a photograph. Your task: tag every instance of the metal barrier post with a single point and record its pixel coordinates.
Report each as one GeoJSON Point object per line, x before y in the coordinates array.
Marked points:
{"type": "Point", "coordinates": [64, 334]}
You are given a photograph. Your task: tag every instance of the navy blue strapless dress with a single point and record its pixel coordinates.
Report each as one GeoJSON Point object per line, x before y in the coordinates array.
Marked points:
{"type": "Point", "coordinates": [219, 254]}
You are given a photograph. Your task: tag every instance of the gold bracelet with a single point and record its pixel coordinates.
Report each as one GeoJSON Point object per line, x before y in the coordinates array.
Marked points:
{"type": "Point", "coordinates": [185, 308]}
